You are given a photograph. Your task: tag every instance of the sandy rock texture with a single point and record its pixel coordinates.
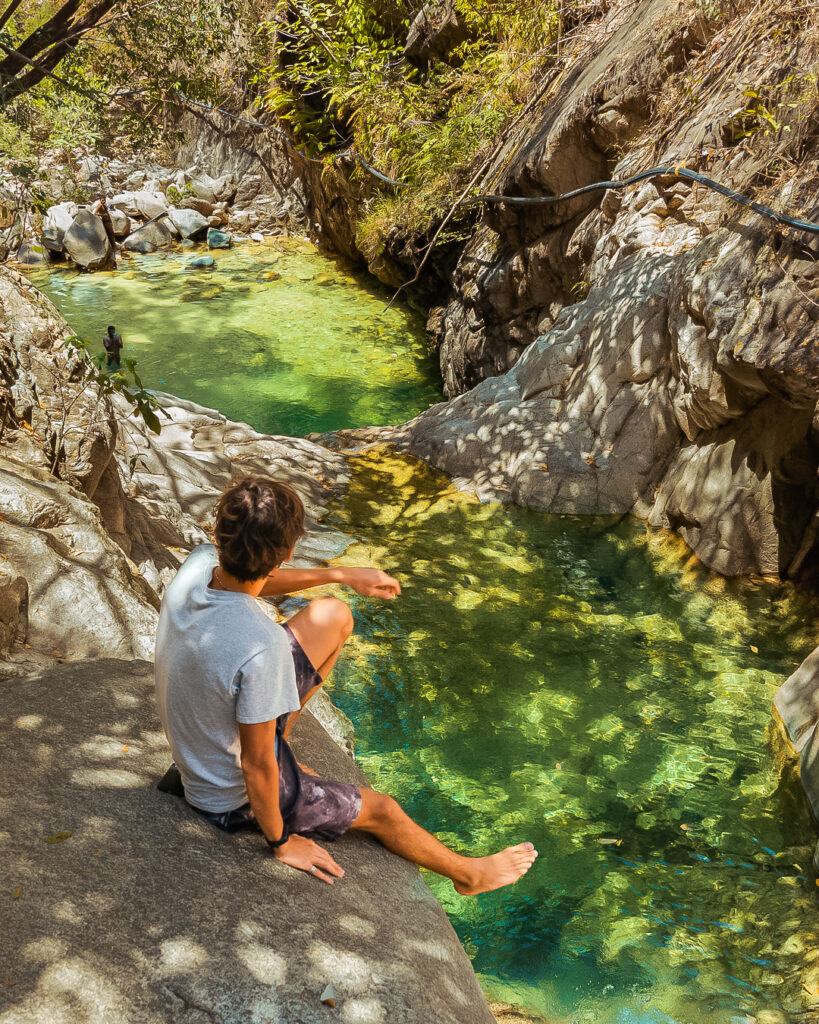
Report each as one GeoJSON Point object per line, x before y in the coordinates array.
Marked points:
{"type": "Point", "coordinates": [139, 911]}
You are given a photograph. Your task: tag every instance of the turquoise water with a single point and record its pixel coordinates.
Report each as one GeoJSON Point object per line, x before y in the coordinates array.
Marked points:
{"type": "Point", "coordinates": [583, 684]}
{"type": "Point", "coordinates": [586, 685]}
{"type": "Point", "coordinates": [277, 335]}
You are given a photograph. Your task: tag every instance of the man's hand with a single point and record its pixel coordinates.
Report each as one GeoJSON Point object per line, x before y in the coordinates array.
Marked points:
{"type": "Point", "coordinates": [302, 853]}
{"type": "Point", "coordinates": [371, 583]}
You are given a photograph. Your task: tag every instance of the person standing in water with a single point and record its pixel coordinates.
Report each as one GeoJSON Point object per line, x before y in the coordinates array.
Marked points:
{"type": "Point", "coordinates": [230, 683]}
{"type": "Point", "coordinates": [112, 343]}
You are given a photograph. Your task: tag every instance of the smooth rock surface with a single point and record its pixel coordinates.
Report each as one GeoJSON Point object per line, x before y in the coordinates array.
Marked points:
{"type": "Point", "coordinates": [85, 599]}
{"type": "Point", "coordinates": [86, 241]}
{"type": "Point", "coordinates": [156, 234]}
{"type": "Point", "coordinates": [219, 239]}
{"type": "Point", "coordinates": [32, 254]}
{"type": "Point", "coordinates": [145, 914]}
{"type": "Point", "coordinates": [797, 703]}
{"type": "Point", "coordinates": [189, 223]}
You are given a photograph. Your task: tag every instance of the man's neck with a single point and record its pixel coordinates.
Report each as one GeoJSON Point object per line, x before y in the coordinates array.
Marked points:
{"type": "Point", "coordinates": [222, 580]}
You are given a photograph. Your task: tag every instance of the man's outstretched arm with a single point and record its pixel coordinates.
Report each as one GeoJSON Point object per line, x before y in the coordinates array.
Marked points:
{"type": "Point", "coordinates": [368, 582]}
{"type": "Point", "coordinates": [261, 772]}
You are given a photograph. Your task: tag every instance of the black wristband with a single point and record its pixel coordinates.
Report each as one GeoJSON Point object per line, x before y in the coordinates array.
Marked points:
{"type": "Point", "coordinates": [281, 840]}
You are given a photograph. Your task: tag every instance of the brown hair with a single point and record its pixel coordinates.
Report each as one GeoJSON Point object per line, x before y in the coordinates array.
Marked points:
{"type": "Point", "coordinates": [258, 520]}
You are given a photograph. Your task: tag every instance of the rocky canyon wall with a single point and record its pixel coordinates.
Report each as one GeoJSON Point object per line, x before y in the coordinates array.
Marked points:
{"type": "Point", "coordinates": [654, 349]}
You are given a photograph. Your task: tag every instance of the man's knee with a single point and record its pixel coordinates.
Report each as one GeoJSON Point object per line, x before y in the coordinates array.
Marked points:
{"type": "Point", "coordinates": [331, 613]}
{"type": "Point", "coordinates": [378, 811]}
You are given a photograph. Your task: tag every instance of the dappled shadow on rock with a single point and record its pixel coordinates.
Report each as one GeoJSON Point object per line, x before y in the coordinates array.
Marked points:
{"type": "Point", "coordinates": [128, 907]}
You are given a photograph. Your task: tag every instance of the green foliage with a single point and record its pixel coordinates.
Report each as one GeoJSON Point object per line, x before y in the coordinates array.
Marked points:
{"type": "Point", "coordinates": [340, 70]}
{"type": "Point", "coordinates": [176, 195]}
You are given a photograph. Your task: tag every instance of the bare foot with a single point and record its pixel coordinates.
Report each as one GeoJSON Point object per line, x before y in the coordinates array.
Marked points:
{"type": "Point", "coordinates": [500, 869]}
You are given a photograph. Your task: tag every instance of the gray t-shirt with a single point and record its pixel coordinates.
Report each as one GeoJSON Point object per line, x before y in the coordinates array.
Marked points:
{"type": "Point", "coordinates": [219, 661]}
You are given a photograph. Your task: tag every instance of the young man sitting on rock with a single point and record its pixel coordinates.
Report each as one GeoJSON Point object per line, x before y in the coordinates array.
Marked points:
{"type": "Point", "coordinates": [230, 684]}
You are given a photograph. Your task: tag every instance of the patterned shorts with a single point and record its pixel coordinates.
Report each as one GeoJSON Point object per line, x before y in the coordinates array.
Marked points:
{"type": "Point", "coordinates": [314, 807]}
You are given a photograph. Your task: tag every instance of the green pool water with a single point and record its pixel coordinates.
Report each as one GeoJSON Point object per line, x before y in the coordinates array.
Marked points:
{"type": "Point", "coordinates": [277, 335]}
{"type": "Point", "coordinates": [586, 685]}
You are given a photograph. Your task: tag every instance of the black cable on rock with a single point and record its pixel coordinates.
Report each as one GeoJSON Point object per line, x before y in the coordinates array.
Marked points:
{"type": "Point", "coordinates": [684, 173]}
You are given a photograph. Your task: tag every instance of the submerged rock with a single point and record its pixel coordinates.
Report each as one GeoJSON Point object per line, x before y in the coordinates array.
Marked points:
{"type": "Point", "coordinates": [139, 910]}
{"type": "Point", "coordinates": [219, 239]}
{"type": "Point", "coordinates": [86, 241]}
{"type": "Point", "coordinates": [202, 261]}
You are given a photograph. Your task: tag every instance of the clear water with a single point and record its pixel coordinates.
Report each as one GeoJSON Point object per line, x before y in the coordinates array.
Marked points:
{"type": "Point", "coordinates": [277, 335]}
{"type": "Point", "coordinates": [583, 684]}
{"type": "Point", "coordinates": [586, 685]}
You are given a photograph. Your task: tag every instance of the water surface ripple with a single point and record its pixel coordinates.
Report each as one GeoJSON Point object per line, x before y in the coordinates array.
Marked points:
{"type": "Point", "coordinates": [587, 685]}
{"type": "Point", "coordinates": [276, 335]}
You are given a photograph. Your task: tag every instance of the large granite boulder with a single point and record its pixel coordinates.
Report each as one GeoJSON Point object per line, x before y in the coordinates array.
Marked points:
{"type": "Point", "coordinates": [190, 223]}
{"type": "Point", "coordinates": [128, 907]}
{"type": "Point", "coordinates": [86, 241]}
{"type": "Point", "coordinates": [56, 222]}
{"type": "Point", "coordinates": [154, 233]}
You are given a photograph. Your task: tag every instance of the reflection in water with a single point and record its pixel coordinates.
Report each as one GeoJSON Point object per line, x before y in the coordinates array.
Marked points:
{"type": "Point", "coordinates": [585, 684]}
{"type": "Point", "coordinates": [279, 336]}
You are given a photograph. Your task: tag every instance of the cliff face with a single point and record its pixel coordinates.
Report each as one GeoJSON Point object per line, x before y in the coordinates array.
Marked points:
{"type": "Point", "coordinates": [682, 385]}
{"type": "Point", "coordinates": [651, 350]}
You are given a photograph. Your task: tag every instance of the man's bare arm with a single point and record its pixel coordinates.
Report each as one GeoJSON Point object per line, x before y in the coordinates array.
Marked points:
{"type": "Point", "coordinates": [261, 772]}
{"type": "Point", "coordinates": [368, 582]}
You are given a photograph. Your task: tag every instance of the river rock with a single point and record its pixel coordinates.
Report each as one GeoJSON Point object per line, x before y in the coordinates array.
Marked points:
{"type": "Point", "coordinates": [135, 180]}
{"type": "Point", "coordinates": [200, 205]}
{"type": "Point", "coordinates": [199, 262]}
{"type": "Point", "coordinates": [188, 222]}
{"type": "Point", "coordinates": [56, 222]}
{"type": "Point", "coordinates": [156, 234]}
{"type": "Point", "coordinates": [203, 188]}
{"type": "Point", "coordinates": [89, 169]}
{"type": "Point", "coordinates": [86, 241]}
{"type": "Point", "coordinates": [113, 914]}
{"type": "Point", "coordinates": [797, 704]}
{"type": "Point", "coordinates": [219, 239]}
{"type": "Point", "coordinates": [138, 244]}
{"type": "Point", "coordinates": [120, 222]}
{"type": "Point", "coordinates": [139, 204]}
{"type": "Point", "coordinates": [32, 254]}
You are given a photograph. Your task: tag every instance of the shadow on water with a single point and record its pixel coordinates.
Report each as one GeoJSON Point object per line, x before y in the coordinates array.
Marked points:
{"type": "Point", "coordinates": [278, 336]}
{"type": "Point", "coordinates": [594, 691]}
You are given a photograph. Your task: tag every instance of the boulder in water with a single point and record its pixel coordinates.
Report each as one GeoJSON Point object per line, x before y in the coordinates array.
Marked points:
{"type": "Point", "coordinates": [189, 223]}
{"type": "Point", "coordinates": [156, 233]}
{"type": "Point", "coordinates": [219, 239]}
{"type": "Point", "coordinates": [202, 261]}
{"type": "Point", "coordinates": [32, 254]}
{"type": "Point", "coordinates": [58, 219]}
{"type": "Point", "coordinates": [134, 243]}
{"type": "Point", "coordinates": [86, 241]}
